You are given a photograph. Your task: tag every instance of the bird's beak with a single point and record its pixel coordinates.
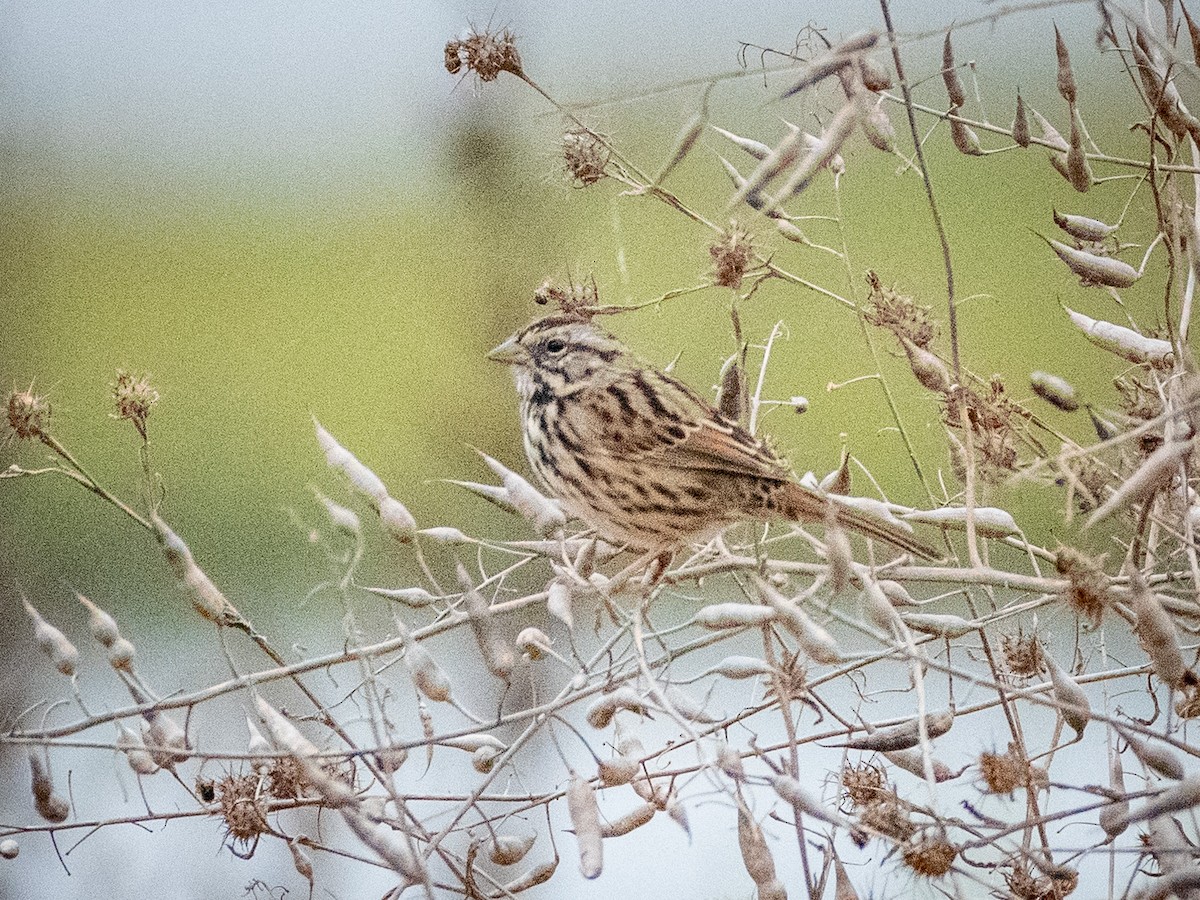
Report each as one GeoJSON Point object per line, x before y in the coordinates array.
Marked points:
{"type": "Point", "coordinates": [510, 352]}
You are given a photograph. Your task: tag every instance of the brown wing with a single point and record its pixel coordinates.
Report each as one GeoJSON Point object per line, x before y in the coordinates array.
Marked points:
{"type": "Point", "coordinates": [644, 415]}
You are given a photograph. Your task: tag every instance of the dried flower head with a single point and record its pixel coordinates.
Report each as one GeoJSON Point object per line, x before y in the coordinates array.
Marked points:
{"type": "Point", "coordinates": [792, 677]}
{"type": "Point", "coordinates": [991, 417]}
{"type": "Point", "coordinates": [866, 784]}
{"type": "Point", "coordinates": [930, 855]}
{"type": "Point", "coordinates": [1024, 885]}
{"type": "Point", "coordinates": [574, 297]}
{"type": "Point", "coordinates": [1004, 773]}
{"type": "Point", "coordinates": [285, 778]}
{"type": "Point", "coordinates": [731, 257]}
{"type": "Point", "coordinates": [134, 399]}
{"type": "Point", "coordinates": [1022, 654]}
{"type": "Point", "coordinates": [1087, 591]}
{"type": "Point", "coordinates": [486, 53]}
{"type": "Point", "coordinates": [902, 315]}
{"type": "Point", "coordinates": [585, 156]}
{"type": "Point", "coordinates": [28, 414]}
{"type": "Point", "coordinates": [242, 807]}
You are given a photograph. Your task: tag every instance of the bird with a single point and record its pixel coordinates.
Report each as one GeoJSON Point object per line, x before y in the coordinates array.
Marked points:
{"type": "Point", "coordinates": [644, 459]}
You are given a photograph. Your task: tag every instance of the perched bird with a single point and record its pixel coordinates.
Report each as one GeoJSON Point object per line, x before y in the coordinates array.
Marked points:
{"type": "Point", "coordinates": [642, 457]}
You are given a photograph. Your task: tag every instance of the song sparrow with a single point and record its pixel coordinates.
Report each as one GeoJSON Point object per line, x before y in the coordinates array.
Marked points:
{"type": "Point", "coordinates": [642, 457]}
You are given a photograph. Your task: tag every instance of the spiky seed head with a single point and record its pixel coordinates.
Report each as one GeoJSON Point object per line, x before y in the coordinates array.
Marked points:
{"type": "Point", "coordinates": [28, 414]}
{"type": "Point", "coordinates": [485, 53]}
{"type": "Point", "coordinates": [134, 398]}
{"type": "Point", "coordinates": [242, 807]}
{"type": "Point", "coordinates": [731, 256]}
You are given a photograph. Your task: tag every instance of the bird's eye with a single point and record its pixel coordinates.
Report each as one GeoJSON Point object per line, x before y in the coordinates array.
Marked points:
{"type": "Point", "coordinates": [555, 345]}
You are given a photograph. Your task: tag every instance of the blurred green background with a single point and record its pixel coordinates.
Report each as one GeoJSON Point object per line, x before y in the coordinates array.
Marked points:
{"type": "Point", "coordinates": [287, 213]}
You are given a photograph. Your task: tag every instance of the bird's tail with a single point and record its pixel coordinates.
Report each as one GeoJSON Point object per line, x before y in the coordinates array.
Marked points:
{"type": "Point", "coordinates": [801, 503]}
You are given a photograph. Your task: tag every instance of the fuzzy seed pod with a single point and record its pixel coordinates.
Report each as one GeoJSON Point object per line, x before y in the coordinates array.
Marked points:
{"type": "Point", "coordinates": [635, 818]}
{"type": "Point", "coordinates": [121, 654]}
{"type": "Point", "coordinates": [1193, 33]}
{"type": "Point", "coordinates": [1105, 430]}
{"type": "Point", "coordinates": [50, 805]}
{"type": "Point", "coordinates": [965, 139]}
{"type": "Point", "coordinates": [497, 653]}
{"type": "Point", "coordinates": [930, 371]}
{"type": "Point", "coordinates": [718, 616]}
{"type": "Point", "coordinates": [824, 152]}
{"type": "Point", "coordinates": [533, 642]}
{"type": "Point", "coordinates": [1079, 171]}
{"type": "Point", "coordinates": [756, 854]}
{"type": "Point", "coordinates": [342, 518]}
{"type": "Point", "coordinates": [954, 85]}
{"type": "Point", "coordinates": [414, 598]}
{"type": "Point", "coordinates": [940, 625]}
{"type": "Point", "coordinates": [838, 481]}
{"type": "Point", "coordinates": [169, 740]}
{"type": "Point", "coordinates": [1157, 635]}
{"type": "Point", "coordinates": [729, 761]}
{"type": "Point", "coordinates": [539, 874]}
{"type": "Point", "coordinates": [1066, 78]}
{"type": "Point", "coordinates": [1082, 228]}
{"type": "Point", "coordinates": [903, 736]}
{"type": "Point", "coordinates": [1124, 342]}
{"type": "Point", "coordinates": [731, 395]}
{"type": "Point", "coordinates": [558, 602]}
{"type": "Point", "coordinates": [618, 770]}
{"type": "Point", "coordinates": [544, 514]}
{"type": "Point", "coordinates": [483, 760]}
{"type": "Point", "coordinates": [896, 593]}
{"type": "Point", "coordinates": [102, 626]}
{"type": "Point", "coordinates": [989, 520]}
{"type": "Point", "coordinates": [52, 642]}
{"type": "Point", "coordinates": [1113, 818]}
{"type": "Point", "coordinates": [813, 639]}
{"type": "Point", "coordinates": [601, 712]}
{"type": "Point", "coordinates": [878, 129]}
{"type": "Point", "coordinates": [472, 742]}
{"type": "Point", "coordinates": [1051, 135]}
{"type": "Point", "coordinates": [1155, 757]}
{"type": "Point", "coordinates": [757, 149]}
{"type": "Point", "coordinates": [9, 849]}
{"type": "Point", "coordinates": [1176, 798]}
{"type": "Point", "coordinates": [738, 667]}
{"type": "Point", "coordinates": [688, 707]}
{"type": "Point", "coordinates": [839, 558]}
{"type": "Point", "coordinates": [206, 597]}
{"type": "Point", "coordinates": [1152, 476]}
{"type": "Point", "coordinates": [875, 77]}
{"type": "Point", "coordinates": [447, 535]}
{"type": "Point", "coordinates": [1020, 127]}
{"type": "Point", "coordinates": [396, 520]}
{"type": "Point", "coordinates": [362, 480]}
{"type": "Point", "coordinates": [791, 791]}
{"type": "Point", "coordinates": [510, 849]}
{"type": "Point", "coordinates": [1069, 698]}
{"type": "Point", "coordinates": [1096, 270]}
{"type": "Point", "coordinates": [131, 744]}
{"type": "Point", "coordinates": [301, 860]}
{"type": "Point", "coordinates": [913, 762]}
{"type": "Point", "coordinates": [786, 152]}
{"type": "Point", "coordinates": [257, 746]}
{"type": "Point", "coordinates": [1054, 390]}
{"type": "Point", "coordinates": [429, 677]}
{"type": "Point", "coordinates": [585, 819]}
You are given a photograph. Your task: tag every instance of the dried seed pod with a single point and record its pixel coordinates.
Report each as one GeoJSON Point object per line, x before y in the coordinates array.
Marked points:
{"type": "Point", "coordinates": [130, 743]}
{"type": "Point", "coordinates": [539, 874]}
{"type": "Point", "coordinates": [635, 818]}
{"type": "Point", "coordinates": [483, 760]}
{"type": "Point", "coordinates": [447, 535]}
{"type": "Point", "coordinates": [1095, 270]}
{"type": "Point", "coordinates": [731, 395]}
{"type": "Point", "coordinates": [1051, 135]}
{"type": "Point", "coordinates": [1069, 698]}
{"type": "Point", "coordinates": [756, 854]}
{"type": "Point", "coordinates": [9, 849]}
{"type": "Point", "coordinates": [102, 625]}
{"type": "Point", "coordinates": [168, 739]}
{"type": "Point", "coordinates": [342, 518]}
{"type": "Point", "coordinates": [1105, 430]}
{"type": "Point", "coordinates": [619, 770]}
{"type": "Point", "coordinates": [1066, 78]}
{"type": "Point", "coordinates": [791, 791]}
{"type": "Point", "coordinates": [361, 479]}
{"type": "Point", "coordinates": [413, 597]}
{"type": "Point", "coordinates": [1156, 633]}
{"type": "Point", "coordinates": [206, 597]}
{"type": "Point", "coordinates": [990, 521]}
{"type": "Point", "coordinates": [965, 139]}
{"type": "Point", "coordinates": [1124, 342]}
{"type": "Point", "coordinates": [930, 371]}
{"type": "Point", "coordinates": [585, 819]}
{"type": "Point", "coordinates": [1155, 757]}
{"type": "Point", "coordinates": [1020, 127]}
{"type": "Point", "coordinates": [1178, 797]}
{"type": "Point", "coordinates": [1079, 171]}
{"type": "Point", "coordinates": [875, 77]}
{"type": "Point", "coordinates": [824, 153]}
{"type": "Point", "coordinates": [601, 712]}
{"type": "Point", "coordinates": [396, 520]}
{"type": "Point", "coordinates": [729, 761]}
{"type": "Point", "coordinates": [474, 741]}
{"type": "Point", "coordinates": [1152, 476]}
{"type": "Point", "coordinates": [757, 149]}
{"type": "Point", "coordinates": [558, 602]}
{"type": "Point", "coordinates": [913, 762]}
{"type": "Point", "coordinates": [1193, 33]}
{"type": "Point", "coordinates": [878, 129]}
{"type": "Point", "coordinates": [301, 860]}
{"type": "Point", "coordinates": [813, 639]}
{"type": "Point", "coordinates": [719, 616]}
{"type": "Point", "coordinates": [52, 642]}
{"type": "Point", "coordinates": [880, 608]}
{"type": "Point", "coordinates": [429, 677]}
{"type": "Point", "coordinates": [510, 849]}
{"type": "Point", "coordinates": [1171, 850]}
{"type": "Point", "coordinates": [903, 736]}
{"type": "Point", "coordinates": [896, 593]}
{"type": "Point", "coordinates": [1082, 228]}
{"type": "Point", "coordinates": [1113, 818]}
{"type": "Point", "coordinates": [688, 707]}
{"type": "Point", "coordinates": [544, 514]}
{"type": "Point", "coordinates": [257, 746]}
{"type": "Point", "coordinates": [839, 558]}
{"type": "Point", "coordinates": [121, 654]}
{"type": "Point", "coordinates": [50, 805]}
{"type": "Point", "coordinates": [497, 653]}
{"type": "Point", "coordinates": [533, 642]}
{"type": "Point", "coordinates": [738, 667]}
{"type": "Point", "coordinates": [786, 152]}
{"type": "Point", "coordinates": [954, 85]}
{"type": "Point", "coordinates": [1056, 391]}
{"type": "Point", "coordinates": [938, 624]}
{"type": "Point", "coordinates": [838, 481]}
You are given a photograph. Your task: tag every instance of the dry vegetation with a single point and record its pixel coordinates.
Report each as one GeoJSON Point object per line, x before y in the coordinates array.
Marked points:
{"type": "Point", "coordinates": [657, 705]}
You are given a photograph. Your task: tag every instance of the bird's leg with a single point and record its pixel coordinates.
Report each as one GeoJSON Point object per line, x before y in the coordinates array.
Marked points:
{"type": "Point", "coordinates": [617, 583]}
{"type": "Point", "coordinates": [657, 570]}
